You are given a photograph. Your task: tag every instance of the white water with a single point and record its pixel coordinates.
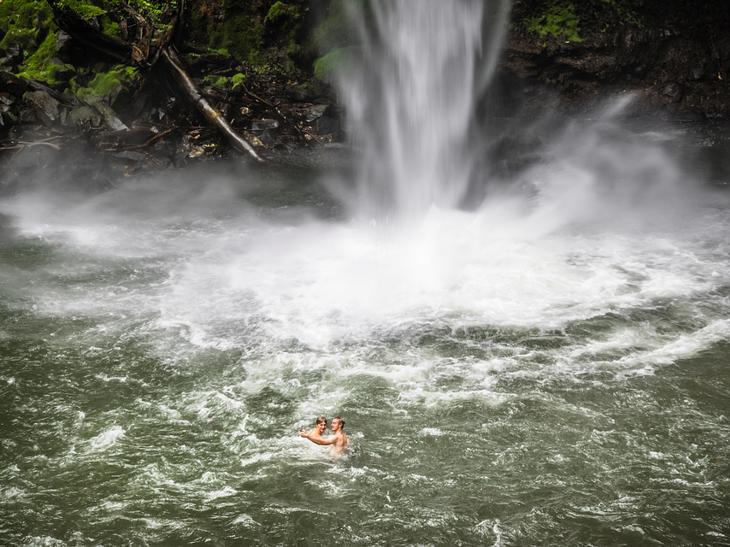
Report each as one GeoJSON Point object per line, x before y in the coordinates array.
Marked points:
{"type": "Point", "coordinates": [409, 92]}
{"type": "Point", "coordinates": [605, 223]}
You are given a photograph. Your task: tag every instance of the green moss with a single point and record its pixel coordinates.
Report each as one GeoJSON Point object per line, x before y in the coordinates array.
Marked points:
{"type": "Point", "coordinates": [24, 22]}
{"type": "Point", "coordinates": [42, 64]}
{"type": "Point", "coordinates": [23, 37]}
{"type": "Point", "coordinates": [558, 21]}
{"type": "Point", "coordinates": [86, 10]}
{"type": "Point", "coordinates": [105, 86]}
{"type": "Point", "coordinates": [24, 14]}
{"type": "Point", "coordinates": [328, 64]}
{"type": "Point", "coordinates": [279, 10]}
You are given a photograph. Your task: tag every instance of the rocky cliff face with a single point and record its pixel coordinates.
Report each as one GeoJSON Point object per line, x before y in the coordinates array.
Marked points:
{"type": "Point", "coordinates": [675, 54]}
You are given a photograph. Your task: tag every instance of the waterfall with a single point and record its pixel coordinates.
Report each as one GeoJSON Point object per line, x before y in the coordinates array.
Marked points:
{"type": "Point", "coordinates": [409, 90]}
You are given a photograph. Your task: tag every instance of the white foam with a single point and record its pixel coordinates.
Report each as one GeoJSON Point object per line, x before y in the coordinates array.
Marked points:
{"type": "Point", "coordinates": [685, 345]}
{"type": "Point", "coordinates": [224, 492]}
{"type": "Point", "coordinates": [106, 438]}
{"type": "Point", "coordinates": [431, 432]}
{"type": "Point", "coordinates": [43, 541]}
{"type": "Point", "coordinates": [245, 520]}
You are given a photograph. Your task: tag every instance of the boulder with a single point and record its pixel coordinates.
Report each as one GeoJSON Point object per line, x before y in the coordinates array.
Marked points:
{"type": "Point", "coordinates": [84, 117]}
{"type": "Point", "coordinates": [45, 106]}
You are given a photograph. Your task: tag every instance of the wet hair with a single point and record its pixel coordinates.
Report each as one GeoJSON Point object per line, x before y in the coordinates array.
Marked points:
{"type": "Point", "coordinates": [321, 420]}
{"type": "Point", "coordinates": [339, 419]}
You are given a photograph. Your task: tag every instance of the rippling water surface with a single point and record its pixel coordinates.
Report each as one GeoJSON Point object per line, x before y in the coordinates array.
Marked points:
{"type": "Point", "coordinates": [516, 374]}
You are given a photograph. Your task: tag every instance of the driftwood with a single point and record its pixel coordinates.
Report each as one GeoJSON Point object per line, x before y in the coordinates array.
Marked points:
{"type": "Point", "coordinates": [210, 113]}
{"type": "Point", "coordinates": [19, 145]}
{"type": "Point", "coordinates": [145, 54]}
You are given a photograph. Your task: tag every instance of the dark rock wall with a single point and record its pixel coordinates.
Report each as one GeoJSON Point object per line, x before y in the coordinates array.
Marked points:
{"type": "Point", "coordinates": [675, 53]}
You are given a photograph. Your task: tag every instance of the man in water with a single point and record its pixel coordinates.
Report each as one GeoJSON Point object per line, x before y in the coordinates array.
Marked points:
{"type": "Point", "coordinates": [320, 425]}
{"type": "Point", "coordinates": [338, 441]}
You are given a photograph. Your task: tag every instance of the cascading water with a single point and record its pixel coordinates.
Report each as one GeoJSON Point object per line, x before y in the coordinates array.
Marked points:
{"type": "Point", "coordinates": [410, 91]}
{"type": "Point", "coordinates": [548, 366]}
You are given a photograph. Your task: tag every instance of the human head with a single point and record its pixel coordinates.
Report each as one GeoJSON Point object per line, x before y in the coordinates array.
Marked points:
{"type": "Point", "coordinates": [320, 424]}
{"type": "Point", "coordinates": [338, 423]}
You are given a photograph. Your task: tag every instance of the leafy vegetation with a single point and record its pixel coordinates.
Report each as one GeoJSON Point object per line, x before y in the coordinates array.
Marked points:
{"type": "Point", "coordinates": [558, 21]}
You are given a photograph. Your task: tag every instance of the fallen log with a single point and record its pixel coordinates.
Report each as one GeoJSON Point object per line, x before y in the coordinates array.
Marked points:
{"type": "Point", "coordinates": [203, 106]}
{"type": "Point", "coordinates": [145, 55]}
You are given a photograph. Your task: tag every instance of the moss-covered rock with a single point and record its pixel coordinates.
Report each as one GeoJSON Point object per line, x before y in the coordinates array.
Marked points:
{"type": "Point", "coordinates": [24, 23]}
{"type": "Point", "coordinates": [106, 86]}
{"type": "Point", "coordinates": [43, 65]}
{"type": "Point", "coordinates": [87, 10]}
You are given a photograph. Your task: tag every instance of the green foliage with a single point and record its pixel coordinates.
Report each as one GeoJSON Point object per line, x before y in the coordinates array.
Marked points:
{"type": "Point", "coordinates": [237, 80]}
{"type": "Point", "coordinates": [225, 82]}
{"type": "Point", "coordinates": [109, 9]}
{"type": "Point", "coordinates": [110, 27]}
{"type": "Point", "coordinates": [558, 21]}
{"type": "Point", "coordinates": [153, 9]}
{"type": "Point", "coordinates": [42, 65]}
{"type": "Point", "coordinates": [280, 10]}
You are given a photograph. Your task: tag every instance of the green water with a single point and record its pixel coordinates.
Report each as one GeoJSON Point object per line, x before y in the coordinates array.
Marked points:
{"type": "Point", "coordinates": [156, 363]}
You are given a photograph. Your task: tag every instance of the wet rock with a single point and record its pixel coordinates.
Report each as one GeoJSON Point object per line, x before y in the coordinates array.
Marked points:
{"type": "Point", "coordinates": [327, 124]}
{"type": "Point", "coordinates": [672, 92]}
{"type": "Point", "coordinates": [7, 116]}
{"type": "Point", "coordinates": [84, 117]}
{"type": "Point", "coordinates": [64, 43]}
{"type": "Point", "coordinates": [12, 84]}
{"type": "Point", "coordinates": [315, 112]}
{"type": "Point", "coordinates": [129, 155]}
{"type": "Point", "coordinates": [110, 117]}
{"type": "Point", "coordinates": [264, 124]}
{"type": "Point", "coordinates": [301, 93]}
{"type": "Point", "coordinates": [45, 106]}
{"type": "Point", "coordinates": [11, 56]}
{"type": "Point", "coordinates": [697, 73]}
{"type": "Point", "coordinates": [6, 99]}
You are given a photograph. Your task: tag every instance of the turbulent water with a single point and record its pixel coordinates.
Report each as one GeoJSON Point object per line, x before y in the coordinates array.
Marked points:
{"type": "Point", "coordinates": [546, 366]}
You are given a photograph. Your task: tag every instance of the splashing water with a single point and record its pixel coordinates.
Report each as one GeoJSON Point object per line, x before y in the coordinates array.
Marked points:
{"type": "Point", "coordinates": [410, 94]}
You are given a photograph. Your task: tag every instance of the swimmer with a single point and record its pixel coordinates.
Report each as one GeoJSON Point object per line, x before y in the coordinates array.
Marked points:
{"type": "Point", "coordinates": [320, 425]}
{"type": "Point", "coordinates": [338, 441]}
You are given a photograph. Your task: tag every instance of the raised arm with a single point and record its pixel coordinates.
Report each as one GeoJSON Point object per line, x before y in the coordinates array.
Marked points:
{"type": "Point", "coordinates": [318, 440]}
